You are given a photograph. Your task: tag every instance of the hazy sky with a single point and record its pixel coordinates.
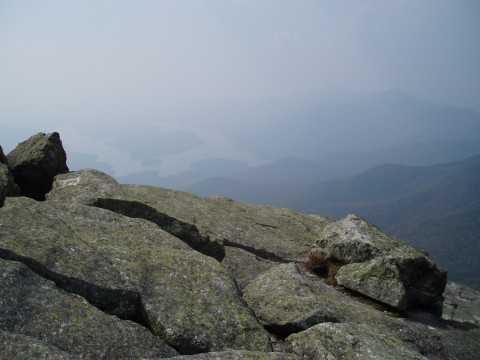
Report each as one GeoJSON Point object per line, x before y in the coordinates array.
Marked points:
{"type": "Point", "coordinates": [61, 59]}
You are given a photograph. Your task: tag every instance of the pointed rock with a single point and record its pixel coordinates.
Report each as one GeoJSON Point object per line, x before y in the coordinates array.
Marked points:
{"type": "Point", "coordinates": [35, 162]}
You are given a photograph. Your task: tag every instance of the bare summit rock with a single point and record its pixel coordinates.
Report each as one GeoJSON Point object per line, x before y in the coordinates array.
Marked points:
{"type": "Point", "coordinates": [133, 269]}
{"type": "Point", "coordinates": [268, 232]}
{"type": "Point", "coordinates": [35, 162]}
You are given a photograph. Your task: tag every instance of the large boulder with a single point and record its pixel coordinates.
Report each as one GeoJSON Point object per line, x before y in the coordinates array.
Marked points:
{"type": "Point", "coordinates": [35, 162]}
{"type": "Point", "coordinates": [354, 240]}
{"type": "Point", "coordinates": [35, 307]}
{"type": "Point", "coordinates": [284, 302]}
{"type": "Point", "coordinates": [133, 269]}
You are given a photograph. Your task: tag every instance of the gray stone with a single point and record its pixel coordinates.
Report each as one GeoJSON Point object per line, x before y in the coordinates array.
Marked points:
{"type": "Point", "coordinates": [288, 300]}
{"type": "Point", "coordinates": [268, 232]}
{"type": "Point", "coordinates": [244, 266]}
{"type": "Point", "coordinates": [354, 240]}
{"type": "Point", "coordinates": [348, 341]}
{"type": "Point", "coordinates": [238, 355]}
{"type": "Point", "coordinates": [35, 162]}
{"type": "Point", "coordinates": [378, 279]}
{"type": "Point", "coordinates": [461, 303]}
{"type": "Point", "coordinates": [284, 302]}
{"type": "Point", "coordinates": [33, 306]}
{"type": "Point", "coordinates": [132, 268]}
{"type": "Point", "coordinates": [7, 186]}
{"type": "Point", "coordinates": [21, 347]}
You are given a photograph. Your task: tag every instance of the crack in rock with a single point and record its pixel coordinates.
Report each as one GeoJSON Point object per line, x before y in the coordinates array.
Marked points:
{"type": "Point", "coordinates": [186, 232]}
{"type": "Point", "coordinates": [123, 303]}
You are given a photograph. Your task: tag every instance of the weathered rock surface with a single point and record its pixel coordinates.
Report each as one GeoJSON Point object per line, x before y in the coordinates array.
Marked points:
{"type": "Point", "coordinates": [6, 183]}
{"type": "Point", "coordinates": [33, 306]}
{"type": "Point", "coordinates": [22, 347]}
{"type": "Point", "coordinates": [378, 279]}
{"type": "Point", "coordinates": [162, 272]}
{"type": "Point", "coordinates": [268, 232]}
{"type": "Point", "coordinates": [35, 162]}
{"type": "Point", "coordinates": [238, 355]}
{"type": "Point", "coordinates": [283, 301]}
{"type": "Point", "coordinates": [288, 300]}
{"type": "Point", "coordinates": [244, 266]}
{"type": "Point", "coordinates": [462, 303]}
{"type": "Point", "coordinates": [348, 341]}
{"type": "Point", "coordinates": [132, 268]}
{"type": "Point", "coordinates": [353, 240]}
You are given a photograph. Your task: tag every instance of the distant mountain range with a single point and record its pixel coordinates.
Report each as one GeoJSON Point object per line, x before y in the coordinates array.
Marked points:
{"type": "Point", "coordinates": [339, 120]}
{"type": "Point", "coordinates": [329, 134]}
{"type": "Point", "coordinates": [436, 208]}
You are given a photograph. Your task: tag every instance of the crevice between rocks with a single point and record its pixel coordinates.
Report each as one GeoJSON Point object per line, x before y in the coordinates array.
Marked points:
{"type": "Point", "coordinates": [126, 304]}
{"type": "Point", "coordinates": [186, 232]}
{"type": "Point", "coordinates": [261, 253]}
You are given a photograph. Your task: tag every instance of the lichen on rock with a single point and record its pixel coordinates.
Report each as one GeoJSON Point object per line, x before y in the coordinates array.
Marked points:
{"type": "Point", "coordinates": [378, 279]}
{"type": "Point", "coordinates": [353, 240]}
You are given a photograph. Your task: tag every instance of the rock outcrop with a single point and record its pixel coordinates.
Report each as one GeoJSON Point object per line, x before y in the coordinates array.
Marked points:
{"type": "Point", "coordinates": [35, 162]}
{"type": "Point", "coordinates": [101, 270]}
